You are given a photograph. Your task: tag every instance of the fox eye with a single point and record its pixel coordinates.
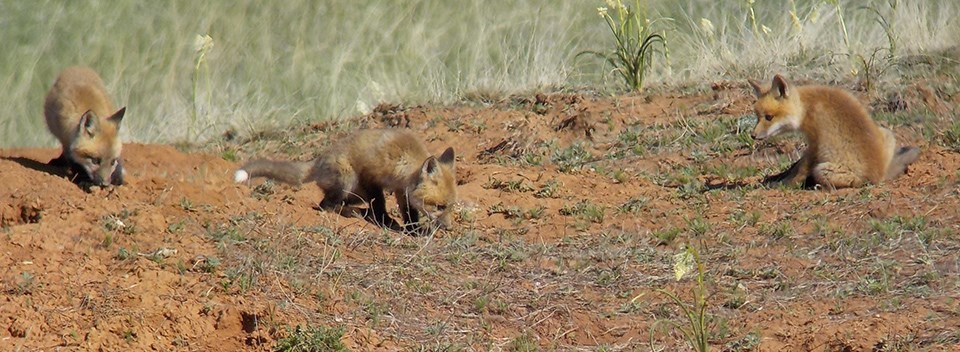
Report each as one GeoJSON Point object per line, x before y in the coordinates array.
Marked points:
{"type": "Point", "coordinates": [768, 117]}
{"type": "Point", "coordinates": [95, 161]}
{"type": "Point", "coordinates": [441, 207]}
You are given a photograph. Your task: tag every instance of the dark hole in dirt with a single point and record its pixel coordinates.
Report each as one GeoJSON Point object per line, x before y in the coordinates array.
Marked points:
{"type": "Point", "coordinates": [249, 321]}
{"type": "Point", "coordinates": [30, 214]}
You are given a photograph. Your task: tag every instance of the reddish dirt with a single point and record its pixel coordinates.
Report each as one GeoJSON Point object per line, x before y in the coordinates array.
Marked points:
{"type": "Point", "coordinates": [181, 258]}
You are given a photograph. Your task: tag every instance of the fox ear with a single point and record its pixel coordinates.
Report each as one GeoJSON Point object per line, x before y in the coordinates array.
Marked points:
{"type": "Point", "coordinates": [757, 88]}
{"type": "Point", "coordinates": [429, 167]}
{"type": "Point", "coordinates": [780, 86]}
{"type": "Point", "coordinates": [89, 123]}
{"type": "Point", "coordinates": [447, 157]}
{"type": "Point", "coordinates": [117, 116]}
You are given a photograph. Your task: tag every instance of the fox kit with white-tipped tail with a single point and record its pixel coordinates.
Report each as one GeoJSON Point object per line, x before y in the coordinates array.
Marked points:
{"type": "Point", "coordinates": [362, 166]}
{"type": "Point", "coordinates": [80, 114]}
{"type": "Point", "coordinates": [845, 148]}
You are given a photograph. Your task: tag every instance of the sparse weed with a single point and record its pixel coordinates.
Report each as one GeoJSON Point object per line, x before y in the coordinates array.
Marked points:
{"type": "Point", "coordinates": [633, 205]}
{"type": "Point", "coordinates": [584, 210]}
{"type": "Point", "coordinates": [508, 186]}
{"type": "Point", "coordinates": [509, 212]}
{"type": "Point", "coordinates": [776, 231]}
{"type": "Point", "coordinates": [695, 325]}
{"type": "Point", "coordinates": [523, 343]}
{"type": "Point", "coordinates": [666, 236]}
{"type": "Point", "coordinates": [119, 222]}
{"type": "Point", "coordinates": [698, 226]}
{"type": "Point", "coordinates": [310, 339]}
{"type": "Point", "coordinates": [571, 158]}
{"type": "Point", "coordinates": [550, 189]}
{"type": "Point", "coordinates": [634, 41]}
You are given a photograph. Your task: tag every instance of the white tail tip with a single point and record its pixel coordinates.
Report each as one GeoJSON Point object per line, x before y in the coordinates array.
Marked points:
{"type": "Point", "coordinates": [240, 176]}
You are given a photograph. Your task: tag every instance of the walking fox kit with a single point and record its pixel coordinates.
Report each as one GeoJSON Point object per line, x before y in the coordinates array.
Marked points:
{"type": "Point", "coordinates": [364, 165]}
{"type": "Point", "coordinates": [80, 114]}
{"type": "Point", "coordinates": [845, 148]}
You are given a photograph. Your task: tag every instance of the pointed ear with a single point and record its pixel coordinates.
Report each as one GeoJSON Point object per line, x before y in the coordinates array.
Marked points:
{"type": "Point", "coordinates": [429, 167]}
{"type": "Point", "coordinates": [117, 116]}
{"type": "Point", "coordinates": [89, 123]}
{"type": "Point", "coordinates": [780, 86]}
{"type": "Point", "coordinates": [757, 88]}
{"type": "Point", "coordinates": [447, 157]}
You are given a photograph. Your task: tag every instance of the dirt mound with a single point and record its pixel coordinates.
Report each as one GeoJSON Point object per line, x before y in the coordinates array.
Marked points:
{"type": "Point", "coordinates": [572, 209]}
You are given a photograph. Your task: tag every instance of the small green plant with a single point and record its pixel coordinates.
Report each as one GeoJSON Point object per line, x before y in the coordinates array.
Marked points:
{"type": "Point", "coordinates": [570, 158]}
{"type": "Point", "coordinates": [310, 339]}
{"type": "Point", "coordinates": [550, 189]}
{"type": "Point", "coordinates": [585, 210]}
{"type": "Point", "coordinates": [523, 343]}
{"type": "Point", "coordinates": [634, 41]}
{"type": "Point", "coordinates": [26, 283]}
{"type": "Point", "coordinates": [633, 205]}
{"type": "Point", "coordinates": [666, 236]}
{"type": "Point", "coordinates": [695, 328]}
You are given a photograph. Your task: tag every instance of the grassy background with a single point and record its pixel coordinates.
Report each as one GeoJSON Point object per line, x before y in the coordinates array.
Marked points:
{"type": "Point", "coordinates": [277, 62]}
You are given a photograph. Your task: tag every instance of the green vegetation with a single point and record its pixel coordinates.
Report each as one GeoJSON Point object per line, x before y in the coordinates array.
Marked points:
{"type": "Point", "coordinates": [267, 64]}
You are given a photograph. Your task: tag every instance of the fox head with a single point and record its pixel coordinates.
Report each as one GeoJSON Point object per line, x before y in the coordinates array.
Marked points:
{"type": "Point", "coordinates": [778, 109]}
{"type": "Point", "coordinates": [435, 192]}
{"type": "Point", "coordinates": [96, 146]}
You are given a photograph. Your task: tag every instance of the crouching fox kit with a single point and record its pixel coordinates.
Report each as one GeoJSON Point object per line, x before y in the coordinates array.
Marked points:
{"type": "Point", "coordinates": [845, 148]}
{"type": "Point", "coordinates": [82, 117]}
{"type": "Point", "coordinates": [364, 165]}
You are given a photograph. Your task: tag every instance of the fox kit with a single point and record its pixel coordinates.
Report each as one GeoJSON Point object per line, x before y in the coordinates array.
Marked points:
{"type": "Point", "coordinates": [845, 148]}
{"type": "Point", "coordinates": [364, 165]}
{"type": "Point", "coordinates": [80, 114]}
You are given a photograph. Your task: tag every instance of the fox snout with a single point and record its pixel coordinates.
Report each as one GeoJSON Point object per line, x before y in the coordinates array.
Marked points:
{"type": "Point", "coordinates": [758, 134]}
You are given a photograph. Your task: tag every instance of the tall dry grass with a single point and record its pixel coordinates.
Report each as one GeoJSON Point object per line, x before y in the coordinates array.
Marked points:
{"type": "Point", "coordinates": [274, 63]}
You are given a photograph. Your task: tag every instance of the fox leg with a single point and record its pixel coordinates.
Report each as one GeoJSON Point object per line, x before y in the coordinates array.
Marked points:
{"type": "Point", "coordinates": [798, 173]}
{"type": "Point", "coordinates": [411, 217]}
{"type": "Point", "coordinates": [338, 193]}
{"type": "Point", "coordinates": [833, 176]}
{"type": "Point", "coordinates": [378, 207]}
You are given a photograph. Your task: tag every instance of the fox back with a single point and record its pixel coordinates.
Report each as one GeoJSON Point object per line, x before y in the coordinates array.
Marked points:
{"type": "Point", "coordinates": [79, 113]}
{"type": "Point", "coordinates": [363, 165]}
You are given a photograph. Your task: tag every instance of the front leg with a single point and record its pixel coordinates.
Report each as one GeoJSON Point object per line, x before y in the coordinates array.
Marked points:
{"type": "Point", "coordinates": [411, 216]}
{"type": "Point", "coordinates": [797, 174]}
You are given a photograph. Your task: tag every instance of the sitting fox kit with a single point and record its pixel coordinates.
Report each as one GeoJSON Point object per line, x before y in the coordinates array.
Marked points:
{"type": "Point", "coordinates": [361, 167]}
{"type": "Point", "coordinates": [845, 148]}
{"type": "Point", "coordinates": [80, 114]}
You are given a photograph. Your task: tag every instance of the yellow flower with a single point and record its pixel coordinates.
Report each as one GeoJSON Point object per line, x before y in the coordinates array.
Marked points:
{"type": "Point", "coordinates": [707, 27]}
{"type": "Point", "coordinates": [683, 263]}
{"type": "Point", "coordinates": [796, 21]}
{"type": "Point", "coordinates": [202, 43]}
{"type": "Point", "coordinates": [602, 11]}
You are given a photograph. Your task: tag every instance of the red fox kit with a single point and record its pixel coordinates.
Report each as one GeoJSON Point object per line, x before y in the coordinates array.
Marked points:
{"type": "Point", "coordinates": [80, 114]}
{"type": "Point", "coordinates": [845, 148]}
{"type": "Point", "coordinates": [364, 165]}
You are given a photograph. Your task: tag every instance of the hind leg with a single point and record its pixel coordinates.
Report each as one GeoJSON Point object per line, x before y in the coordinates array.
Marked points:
{"type": "Point", "coordinates": [834, 176]}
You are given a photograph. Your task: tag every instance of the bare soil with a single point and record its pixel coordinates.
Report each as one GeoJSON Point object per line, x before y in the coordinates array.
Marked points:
{"type": "Point", "coordinates": [573, 207]}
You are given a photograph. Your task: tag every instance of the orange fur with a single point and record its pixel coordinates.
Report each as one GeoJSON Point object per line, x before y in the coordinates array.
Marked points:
{"type": "Point", "coordinates": [79, 113]}
{"type": "Point", "coordinates": [845, 148]}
